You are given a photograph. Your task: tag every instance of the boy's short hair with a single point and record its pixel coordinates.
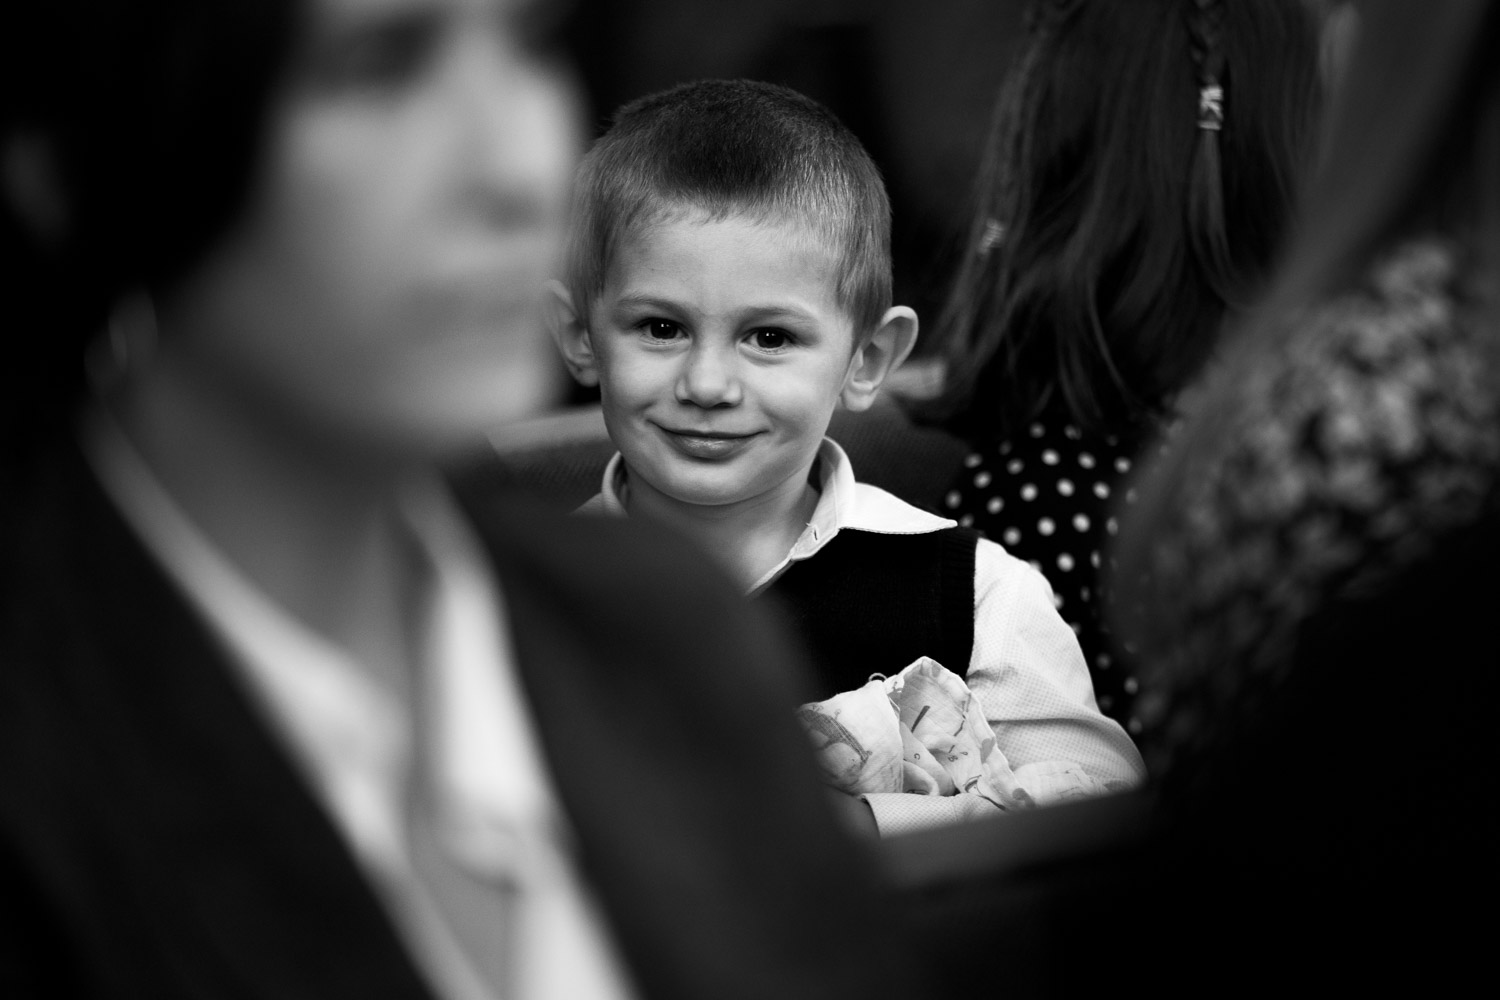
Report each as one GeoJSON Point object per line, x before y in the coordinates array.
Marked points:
{"type": "Point", "coordinates": [734, 147]}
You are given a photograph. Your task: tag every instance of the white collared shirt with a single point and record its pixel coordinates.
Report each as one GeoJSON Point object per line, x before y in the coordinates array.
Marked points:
{"type": "Point", "coordinates": [1026, 668]}
{"type": "Point", "coordinates": [351, 736]}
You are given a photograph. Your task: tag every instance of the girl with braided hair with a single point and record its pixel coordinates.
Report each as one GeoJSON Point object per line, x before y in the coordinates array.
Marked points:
{"type": "Point", "coordinates": [1137, 182]}
{"type": "Point", "coordinates": [1320, 546]}
{"type": "Point", "coordinates": [1319, 551]}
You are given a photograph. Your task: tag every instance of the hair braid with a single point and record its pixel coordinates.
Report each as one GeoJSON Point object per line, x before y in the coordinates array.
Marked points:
{"type": "Point", "coordinates": [1206, 29]}
{"type": "Point", "coordinates": [1041, 18]}
{"type": "Point", "coordinates": [1206, 221]}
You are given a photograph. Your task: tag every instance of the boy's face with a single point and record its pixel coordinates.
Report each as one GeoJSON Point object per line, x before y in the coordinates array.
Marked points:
{"type": "Point", "coordinates": [721, 353]}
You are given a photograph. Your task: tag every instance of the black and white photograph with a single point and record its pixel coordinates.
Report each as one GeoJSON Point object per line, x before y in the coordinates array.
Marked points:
{"type": "Point", "coordinates": [748, 499]}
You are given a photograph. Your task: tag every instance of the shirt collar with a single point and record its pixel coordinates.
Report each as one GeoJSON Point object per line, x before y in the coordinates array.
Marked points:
{"type": "Point", "coordinates": [610, 500]}
{"type": "Point", "coordinates": [351, 734]}
{"type": "Point", "coordinates": [353, 738]}
{"type": "Point", "coordinates": [843, 503]}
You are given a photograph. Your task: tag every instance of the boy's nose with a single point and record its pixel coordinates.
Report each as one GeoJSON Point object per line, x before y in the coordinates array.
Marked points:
{"type": "Point", "coordinates": [708, 377]}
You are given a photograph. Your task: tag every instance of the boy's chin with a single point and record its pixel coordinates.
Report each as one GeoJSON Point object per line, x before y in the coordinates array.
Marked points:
{"type": "Point", "coordinates": [690, 493]}
{"type": "Point", "coordinates": [679, 482]}
{"type": "Point", "coordinates": [706, 497]}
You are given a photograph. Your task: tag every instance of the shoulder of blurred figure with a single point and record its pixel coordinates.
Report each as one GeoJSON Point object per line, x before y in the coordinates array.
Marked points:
{"type": "Point", "coordinates": [641, 583]}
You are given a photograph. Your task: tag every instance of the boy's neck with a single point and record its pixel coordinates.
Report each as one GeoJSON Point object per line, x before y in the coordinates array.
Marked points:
{"type": "Point", "coordinates": [749, 537]}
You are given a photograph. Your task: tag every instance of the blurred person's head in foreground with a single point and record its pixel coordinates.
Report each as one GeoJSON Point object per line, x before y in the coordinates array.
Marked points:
{"type": "Point", "coordinates": [320, 222]}
{"type": "Point", "coordinates": [1136, 184]}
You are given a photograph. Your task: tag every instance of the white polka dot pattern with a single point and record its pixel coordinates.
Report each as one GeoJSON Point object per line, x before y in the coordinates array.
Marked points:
{"type": "Point", "coordinates": [1050, 496]}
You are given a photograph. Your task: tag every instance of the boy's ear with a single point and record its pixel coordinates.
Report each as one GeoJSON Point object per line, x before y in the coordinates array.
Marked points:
{"type": "Point", "coordinates": [881, 354]}
{"type": "Point", "coordinates": [569, 333]}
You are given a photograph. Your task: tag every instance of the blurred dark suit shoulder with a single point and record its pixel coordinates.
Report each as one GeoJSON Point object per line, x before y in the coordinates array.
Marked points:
{"type": "Point", "coordinates": [155, 840]}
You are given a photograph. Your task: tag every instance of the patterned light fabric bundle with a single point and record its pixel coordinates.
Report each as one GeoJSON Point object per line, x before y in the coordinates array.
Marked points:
{"type": "Point", "coordinates": [923, 732]}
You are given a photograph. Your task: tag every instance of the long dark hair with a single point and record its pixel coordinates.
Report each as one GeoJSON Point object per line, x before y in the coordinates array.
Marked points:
{"type": "Point", "coordinates": [134, 129]}
{"type": "Point", "coordinates": [1140, 172]}
{"type": "Point", "coordinates": [1413, 147]}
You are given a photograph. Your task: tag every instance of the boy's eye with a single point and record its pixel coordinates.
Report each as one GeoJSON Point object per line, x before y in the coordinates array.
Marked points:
{"type": "Point", "coordinates": [770, 339]}
{"type": "Point", "coordinates": [661, 329]}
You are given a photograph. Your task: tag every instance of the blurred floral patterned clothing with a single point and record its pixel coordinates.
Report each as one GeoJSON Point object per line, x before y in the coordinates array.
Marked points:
{"type": "Point", "coordinates": [1369, 437]}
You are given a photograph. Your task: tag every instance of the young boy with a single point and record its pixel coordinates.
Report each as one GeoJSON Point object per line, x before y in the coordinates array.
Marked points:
{"type": "Point", "coordinates": [729, 285]}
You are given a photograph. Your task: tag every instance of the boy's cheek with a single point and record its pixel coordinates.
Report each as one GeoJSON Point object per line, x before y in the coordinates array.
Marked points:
{"type": "Point", "coordinates": [634, 371]}
{"type": "Point", "coordinates": [608, 356]}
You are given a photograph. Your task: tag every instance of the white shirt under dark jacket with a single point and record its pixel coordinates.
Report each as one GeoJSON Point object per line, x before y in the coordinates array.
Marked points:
{"type": "Point", "coordinates": [353, 739]}
{"type": "Point", "coordinates": [1026, 667]}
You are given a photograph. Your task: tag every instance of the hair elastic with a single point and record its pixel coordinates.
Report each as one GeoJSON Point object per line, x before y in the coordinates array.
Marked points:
{"type": "Point", "coordinates": [993, 236]}
{"type": "Point", "coordinates": [1211, 107]}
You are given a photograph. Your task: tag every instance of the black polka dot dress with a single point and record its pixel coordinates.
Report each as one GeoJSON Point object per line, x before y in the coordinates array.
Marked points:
{"type": "Point", "coordinates": [1052, 496]}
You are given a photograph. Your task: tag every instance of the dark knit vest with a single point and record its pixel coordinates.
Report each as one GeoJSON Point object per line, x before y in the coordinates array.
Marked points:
{"type": "Point", "coordinates": [869, 603]}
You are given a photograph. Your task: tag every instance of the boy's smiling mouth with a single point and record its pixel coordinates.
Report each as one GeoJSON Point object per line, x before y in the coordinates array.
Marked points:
{"type": "Point", "coordinates": [705, 444]}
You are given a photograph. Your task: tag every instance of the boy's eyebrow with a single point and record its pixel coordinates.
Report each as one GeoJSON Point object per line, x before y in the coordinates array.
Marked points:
{"type": "Point", "coordinates": [649, 302]}
{"type": "Point", "coordinates": [787, 309]}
